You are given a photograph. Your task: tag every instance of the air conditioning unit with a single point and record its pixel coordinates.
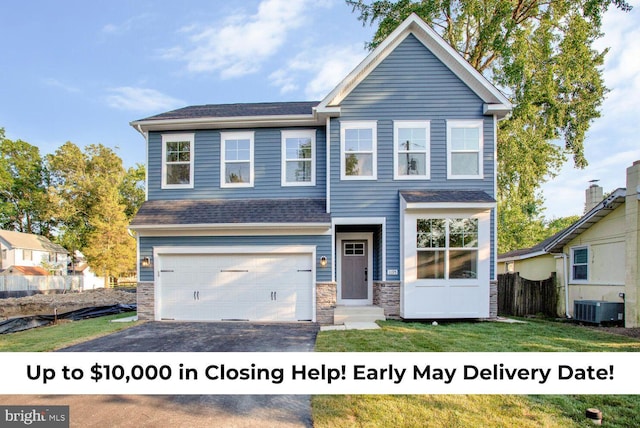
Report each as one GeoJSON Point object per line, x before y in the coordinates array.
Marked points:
{"type": "Point", "coordinates": [598, 311]}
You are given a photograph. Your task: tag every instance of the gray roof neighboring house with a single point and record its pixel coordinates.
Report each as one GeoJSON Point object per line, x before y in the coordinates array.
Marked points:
{"type": "Point", "coordinates": [230, 211]}
{"type": "Point", "coordinates": [555, 243]}
{"type": "Point", "coordinates": [28, 241]}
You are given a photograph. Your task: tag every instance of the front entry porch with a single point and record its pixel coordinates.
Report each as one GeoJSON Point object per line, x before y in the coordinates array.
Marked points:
{"type": "Point", "coordinates": [356, 317]}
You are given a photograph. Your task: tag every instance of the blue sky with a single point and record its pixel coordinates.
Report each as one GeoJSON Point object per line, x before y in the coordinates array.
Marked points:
{"type": "Point", "coordinates": [81, 70]}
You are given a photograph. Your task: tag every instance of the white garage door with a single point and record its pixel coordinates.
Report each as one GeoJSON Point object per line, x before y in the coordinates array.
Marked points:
{"type": "Point", "coordinates": [254, 287]}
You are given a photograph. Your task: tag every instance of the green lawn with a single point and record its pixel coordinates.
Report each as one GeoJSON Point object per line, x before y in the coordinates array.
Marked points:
{"type": "Point", "coordinates": [473, 410]}
{"type": "Point", "coordinates": [62, 335]}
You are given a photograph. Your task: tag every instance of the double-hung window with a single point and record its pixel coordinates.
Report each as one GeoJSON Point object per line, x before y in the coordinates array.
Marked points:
{"type": "Point", "coordinates": [411, 150]}
{"type": "Point", "coordinates": [358, 150]}
{"type": "Point", "coordinates": [177, 161]}
{"type": "Point", "coordinates": [464, 149]}
{"type": "Point", "coordinates": [236, 169]}
{"type": "Point", "coordinates": [447, 248]}
{"type": "Point", "coordinates": [580, 264]}
{"type": "Point", "coordinates": [298, 158]}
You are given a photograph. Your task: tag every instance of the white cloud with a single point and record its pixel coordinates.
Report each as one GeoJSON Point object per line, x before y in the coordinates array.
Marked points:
{"type": "Point", "coordinates": [241, 43]}
{"type": "Point", "coordinates": [141, 99]}
{"type": "Point", "coordinates": [322, 69]}
{"type": "Point", "coordinates": [55, 83]}
{"type": "Point", "coordinates": [123, 27]}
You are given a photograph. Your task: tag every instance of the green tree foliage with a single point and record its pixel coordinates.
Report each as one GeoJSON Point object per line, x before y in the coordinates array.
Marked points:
{"type": "Point", "coordinates": [93, 196]}
{"type": "Point", "coordinates": [132, 190]}
{"type": "Point", "coordinates": [23, 195]}
{"type": "Point", "coordinates": [541, 54]}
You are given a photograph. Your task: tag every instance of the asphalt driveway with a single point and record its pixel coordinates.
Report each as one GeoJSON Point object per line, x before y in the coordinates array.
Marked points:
{"type": "Point", "coordinates": [190, 410]}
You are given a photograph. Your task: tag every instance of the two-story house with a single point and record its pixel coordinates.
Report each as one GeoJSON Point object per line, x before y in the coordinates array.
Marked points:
{"type": "Point", "coordinates": [29, 254]}
{"type": "Point", "coordinates": [381, 193]}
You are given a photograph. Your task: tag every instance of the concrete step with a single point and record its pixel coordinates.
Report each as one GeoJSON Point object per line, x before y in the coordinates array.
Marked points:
{"type": "Point", "coordinates": [357, 314]}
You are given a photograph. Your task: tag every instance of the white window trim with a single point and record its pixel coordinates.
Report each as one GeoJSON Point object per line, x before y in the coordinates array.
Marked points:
{"type": "Point", "coordinates": [466, 124]}
{"type": "Point", "coordinates": [224, 136]}
{"type": "Point", "coordinates": [571, 264]}
{"type": "Point", "coordinates": [170, 138]}
{"type": "Point", "coordinates": [302, 133]}
{"type": "Point", "coordinates": [370, 124]}
{"type": "Point", "coordinates": [399, 124]}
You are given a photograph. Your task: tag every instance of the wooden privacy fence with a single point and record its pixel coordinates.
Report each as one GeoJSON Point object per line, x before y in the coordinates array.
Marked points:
{"type": "Point", "coordinates": [519, 296]}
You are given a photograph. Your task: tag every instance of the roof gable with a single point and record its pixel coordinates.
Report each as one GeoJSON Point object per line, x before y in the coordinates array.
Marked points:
{"type": "Point", "coordinates": [495, 101]}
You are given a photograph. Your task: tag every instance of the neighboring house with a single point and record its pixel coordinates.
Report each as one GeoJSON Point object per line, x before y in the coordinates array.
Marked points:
{"type": "Point", "coordinates": [28, 250]}
{"type": "Point", "coordinates": [90, 280]}
{"type": "Point", "coordinates": [598, 256]}
{"type": "Point", "coordinates": [381, 193]}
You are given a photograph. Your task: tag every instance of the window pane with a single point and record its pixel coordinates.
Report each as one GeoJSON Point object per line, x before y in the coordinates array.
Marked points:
{"type": "Point", "coordinates": [410, 139]}
{"type": "Point", "coordinates": [580, 272]}
{"type": "Point", "coordinates": [431, 264]}
{"type": "Point", "coordinates": [359, 164]}
{"type": "Point", "coordinates": [412, 164]}
{"type": "Point", "coordinates": [358, 140]}
{"type": "Point", "coordinates": [178, 173]}
{"type": "Point", "coordinates": [298, 148]}
{"type": "Point", "coordinates": [237, 172]}
{"type": "Point", "coordinates": [465, 138]}
{"type": "Point", "coordinates": [237, 150]}
{"type": "Point", "coordinates": [463, 232]}
{"type": "Point", "coordinates": [298, 171]}
{"type": "Point", "coordinates": [580, 256]}
{"type": "Point", "coordinates": [431, 233]}
{"type": "Point", "coordinates": [464, 164]}
{"type": "Point", "coordinates": [463, 264]}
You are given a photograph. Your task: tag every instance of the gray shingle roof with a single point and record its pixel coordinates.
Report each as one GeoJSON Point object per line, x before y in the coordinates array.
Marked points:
{"type": "Point", "coordinates": [238, 110]}
{"type": "Point", "coordinates": [231, 211]}
{"type": "Point", "coordinates": [431, 196]}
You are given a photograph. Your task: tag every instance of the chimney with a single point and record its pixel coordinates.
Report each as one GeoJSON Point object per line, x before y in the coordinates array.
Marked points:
{"type": "Point", "coordinates": [632, 248]}
{"type": "Point", "coordinates": [592, 196]}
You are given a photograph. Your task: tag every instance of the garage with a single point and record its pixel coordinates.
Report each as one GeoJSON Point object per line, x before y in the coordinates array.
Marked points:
{"type": "Point", "coordinates": [235, 284]}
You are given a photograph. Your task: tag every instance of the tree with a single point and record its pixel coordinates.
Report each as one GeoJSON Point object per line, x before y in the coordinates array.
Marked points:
{"type": "Point", "coordinates": [132, 191]}
{"type": "Point", "coordinates": [541, 54]}
{"type": "Point", "coordinates": [23, 195]}
{"type": "Point", "coordinates": [92, 193]}
{"type": "Point", "coordinates": [110, 249]}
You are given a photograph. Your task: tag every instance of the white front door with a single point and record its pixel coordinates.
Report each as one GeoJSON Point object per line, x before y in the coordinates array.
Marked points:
{"type": "Point", "coordinates": [355, 261]}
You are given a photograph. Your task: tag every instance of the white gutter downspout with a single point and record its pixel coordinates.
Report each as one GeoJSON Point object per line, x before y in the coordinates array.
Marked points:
{"type": "Point", "coordinates": [328, 165]}
{"type": "Point", "coordinates": [566, 285]}
{"type": "Point", "coordinates": [566, 281]}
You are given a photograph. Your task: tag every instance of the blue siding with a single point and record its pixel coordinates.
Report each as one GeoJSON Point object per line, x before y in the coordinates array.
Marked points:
{"type": "Point", "coordinates": [267, 158]}
{"type": "Point", "coordinates": [322, 243]}
{"type": "Point", "coordinates": [410, 84]}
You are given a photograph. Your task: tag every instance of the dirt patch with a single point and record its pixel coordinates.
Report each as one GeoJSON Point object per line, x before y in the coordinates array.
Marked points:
{"type": "Point", "coordinates": [46, 304]}
{"type": "Point", "coordinates": [629, 332]}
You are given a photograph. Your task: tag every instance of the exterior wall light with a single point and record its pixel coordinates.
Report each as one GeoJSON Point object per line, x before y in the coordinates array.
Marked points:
{"type": "Point", "coordinates": [145, 262]}
{"type": "Point", "coordinates": [323, 261]}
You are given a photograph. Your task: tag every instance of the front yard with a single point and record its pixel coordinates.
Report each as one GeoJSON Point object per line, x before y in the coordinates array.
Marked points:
{"type": "Point", "coordinates": [474, 410]}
